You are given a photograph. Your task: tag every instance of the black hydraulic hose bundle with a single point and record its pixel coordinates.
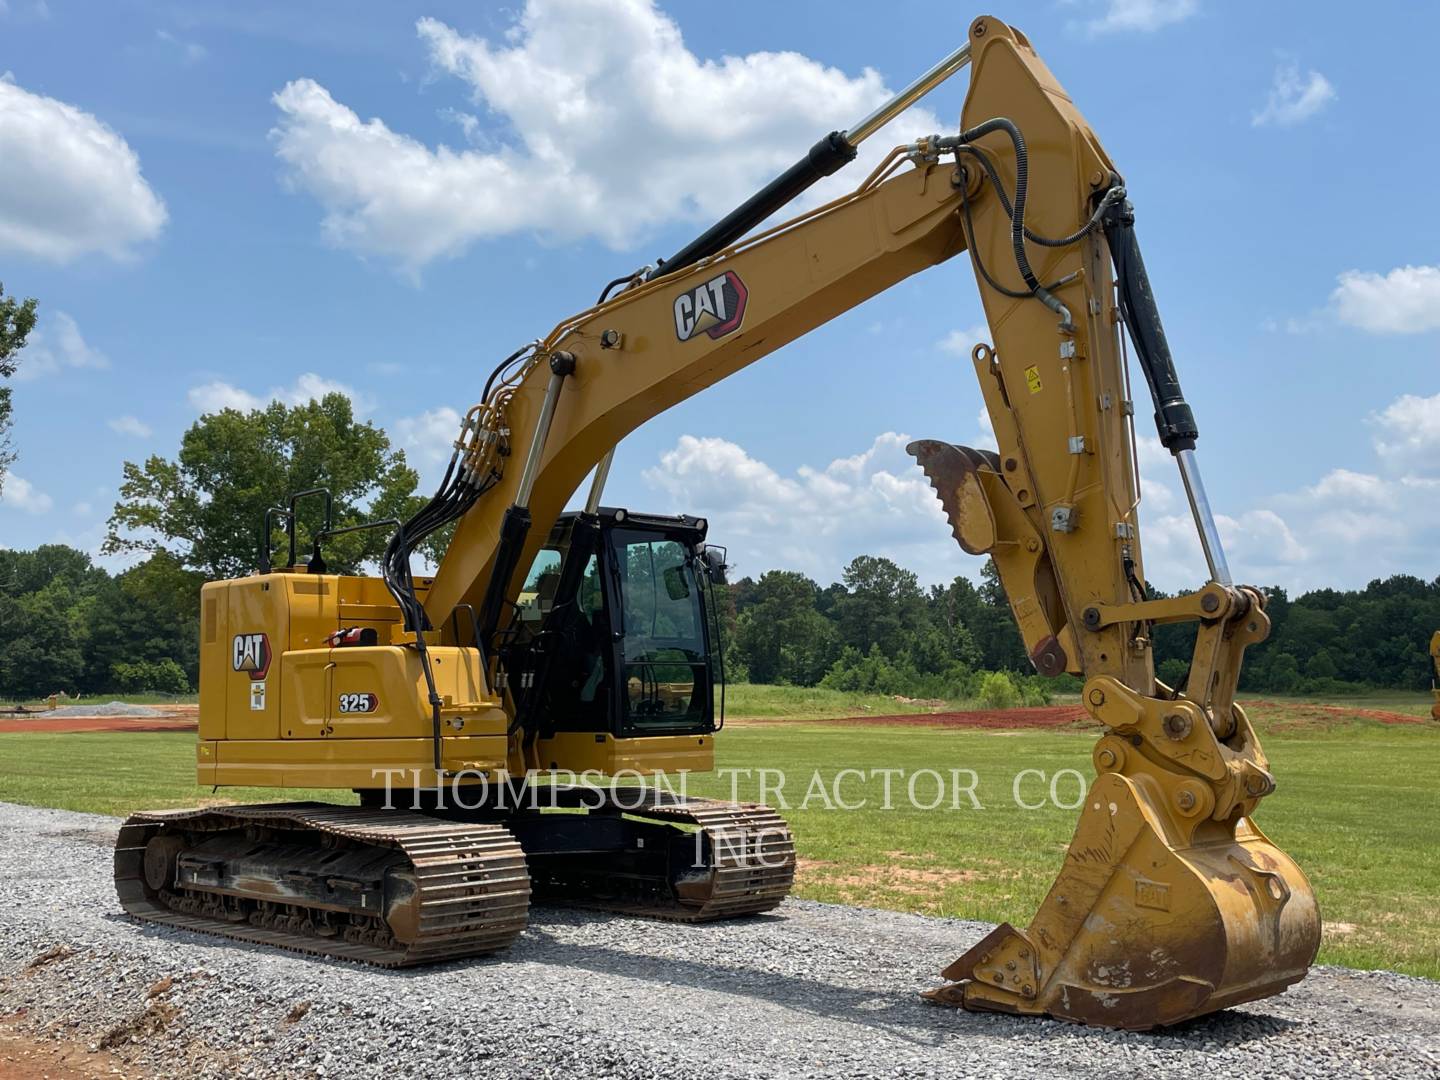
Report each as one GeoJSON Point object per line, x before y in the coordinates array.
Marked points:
{"type": "Point", "coordinates": [1015, 212]}
{"type": "Point", "coordinates": [456, 494]}
{"type": "Point", "coordinates": [1022, 186]}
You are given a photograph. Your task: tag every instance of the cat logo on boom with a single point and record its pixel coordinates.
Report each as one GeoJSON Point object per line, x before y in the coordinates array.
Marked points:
{"type": "Point", "coordinates": [251, 654]}
{"type": "Point", "coordinates": [716, 307]}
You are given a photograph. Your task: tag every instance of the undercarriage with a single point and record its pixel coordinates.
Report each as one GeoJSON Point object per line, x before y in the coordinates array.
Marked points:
{"type": "Point", "coordinates": [400, 887]}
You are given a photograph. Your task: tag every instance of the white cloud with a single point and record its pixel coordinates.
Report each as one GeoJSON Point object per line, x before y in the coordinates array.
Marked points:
{"type": "Point", "coordinates": [1294, 98]}
{"type": "Point", "coordinates": [428, 439]}
{"type": "Point", "coordinates": [1141, 15]}
{"type": "Point", "coordinates": [57, 345]}
{"type": "Point", "coordinates": [604, 123]}
{"type": "Point", "coordinates": [19, 494]}
{"type": "Point", "coordinates": [1407, 435]}
{"type": "Point", "coordinates": [69, 185]}
{"type": "Point", "coordinates": [1260, 546]}
{"type": "Point", "coordinates": [815, 519]}
{"type": "Point", "coordinates": [213, 397]}
{"type": "Point", "coordinates": [129, 425]}
{"type": "Point", "coordinates": [1404, 301]}
{"type": "Point", "coordinates": [1353, 488]}
{"type": "Point", "coordinates": [190, 52]}
{"type": "Point", "coordinates": [1297, 325]}
{"type": "Point", "coordinates": [35, 11]}
{"type": "Point", "coordinates": [961, 342]}
{"type": "Point", "coordinates": [217, 395]}
{"type": "Point", "coordinates": [988, 439]}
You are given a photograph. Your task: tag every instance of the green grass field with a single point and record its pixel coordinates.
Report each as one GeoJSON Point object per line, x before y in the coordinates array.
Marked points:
{"type": "Point", "coordinates": [1358, 806]}
{"type": "Point", "coordinates": [818, 703]}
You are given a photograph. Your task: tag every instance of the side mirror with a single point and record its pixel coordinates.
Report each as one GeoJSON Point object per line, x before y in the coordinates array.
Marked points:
{"type": "Point", "coordinates": [715, 565]}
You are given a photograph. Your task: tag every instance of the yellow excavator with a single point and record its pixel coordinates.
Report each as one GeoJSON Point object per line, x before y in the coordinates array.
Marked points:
{"type": "Point", "coordinates": [445, 700]}
{"type": "Point", "coordinates": [1435, 682]}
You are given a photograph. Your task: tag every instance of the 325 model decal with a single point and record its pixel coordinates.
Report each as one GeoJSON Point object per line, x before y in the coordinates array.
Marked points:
{"type": "Point", "coordinates": [353, 703]}
{"type": "Point", "coordinates": [716, 307]}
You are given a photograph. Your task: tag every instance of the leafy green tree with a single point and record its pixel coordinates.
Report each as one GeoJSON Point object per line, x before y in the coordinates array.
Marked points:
{"type": "Point", "coordinates": [780, 635]}
{"type": "Point", "coordinates": [985, 614]}
{"type": "Point", "coordinates": [30, 571]}
{"type": "Point", "coordinates": [147, 614]}
{"type": "Point", "coordinates": [828, 597]}
{"type": "Point", "coordinates": [203, 509]}
{"type": "Point", "coordinates": [1321, 665]}
{"type": "Point", "coordinates": [17, 319]}
{"type": "Point", "coordinates": [1172, 672]}
{"type": "Point", "coordinates": [1283, 674]}
{"type": "Point", "coordinates": [46, 654]}
{"type": "Point", "coordinates": [882, 605]}
{"type": "Point", "coordinates": [42, 635]}
{"type": "Point", "coordinates": [809, 649]}
{"type": "Point", "coordinates": [742, 594]}
{"type": "Point", "coordinates": [999, 691]}
{"type": "Point", "coordinates": [867, 673]}
{"type": "Point", "coordinates": [66, 624]}
{"type": "Point", "coordinates": [160, 676]}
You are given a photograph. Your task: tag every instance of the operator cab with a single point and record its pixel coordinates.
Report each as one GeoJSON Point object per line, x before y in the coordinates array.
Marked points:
{"type": "Point", "coordinates": [611, 631]}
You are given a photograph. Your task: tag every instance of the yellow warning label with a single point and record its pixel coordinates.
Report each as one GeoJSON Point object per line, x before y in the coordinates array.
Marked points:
{"type": "Point", "coordinates": [1032, 379]}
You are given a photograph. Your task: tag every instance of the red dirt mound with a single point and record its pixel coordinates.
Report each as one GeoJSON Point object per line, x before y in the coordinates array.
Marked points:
{"type": "Point", "coordinates": [173, 718]}
{"type": "Point", "coordinates": [1048, 716]}
{"type": "Point", "coordinates": [1281, 715]}
{"type": "Point", "coordinates": [1287, 712]}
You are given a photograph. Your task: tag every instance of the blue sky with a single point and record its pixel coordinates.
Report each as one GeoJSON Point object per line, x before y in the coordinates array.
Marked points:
{"type": "Point", "coordinates": [219, 203]}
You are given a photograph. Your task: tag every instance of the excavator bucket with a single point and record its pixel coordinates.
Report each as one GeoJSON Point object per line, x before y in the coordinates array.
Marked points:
{"type": "Point", "coordinates": [1143, 928]}
{"type": "Point", "coordinates": [1170, 902]}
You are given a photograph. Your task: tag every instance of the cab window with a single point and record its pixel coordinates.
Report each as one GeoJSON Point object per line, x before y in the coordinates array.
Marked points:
{"type": "Point", "coordinates": [665, 666]}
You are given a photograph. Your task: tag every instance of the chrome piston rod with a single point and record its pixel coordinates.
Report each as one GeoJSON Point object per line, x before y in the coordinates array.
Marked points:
{"type": "Point", "coordinates": [597, 484]}
{"type": "Point", "coordinates": [1204, 517]}
{"type": "Point", "coordinates": [823, 159]}
{"type": "Point", "coordinates": [561, 365]}
{"type": "Point", "coordinates": [907, 97]}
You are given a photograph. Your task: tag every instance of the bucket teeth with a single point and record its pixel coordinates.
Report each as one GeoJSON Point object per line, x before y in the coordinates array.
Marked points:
{"type": "Point", "coordinates": [953, 472]}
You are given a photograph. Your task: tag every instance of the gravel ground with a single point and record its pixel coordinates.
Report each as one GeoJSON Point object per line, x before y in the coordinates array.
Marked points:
{"type": "Point", "coordinates": [813, 991]}
{"type": "Point", "coordinates": [115, 708]}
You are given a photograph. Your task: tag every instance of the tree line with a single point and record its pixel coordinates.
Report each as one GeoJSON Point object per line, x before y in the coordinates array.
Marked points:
{"type": "Point", "coordinates": [877, 629]}
{"type": "Point", "coordinates": [68, 624]}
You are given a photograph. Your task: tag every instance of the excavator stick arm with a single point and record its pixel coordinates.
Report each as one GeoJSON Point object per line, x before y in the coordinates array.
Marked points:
{"type": "Point", "coordinates": [1169, 902]}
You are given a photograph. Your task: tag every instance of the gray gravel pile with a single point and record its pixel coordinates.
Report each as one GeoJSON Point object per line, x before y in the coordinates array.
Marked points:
{"type": "Point", "coordinates": [114, 708]}
{"type": "Point", "coordinates": [812, 991]}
